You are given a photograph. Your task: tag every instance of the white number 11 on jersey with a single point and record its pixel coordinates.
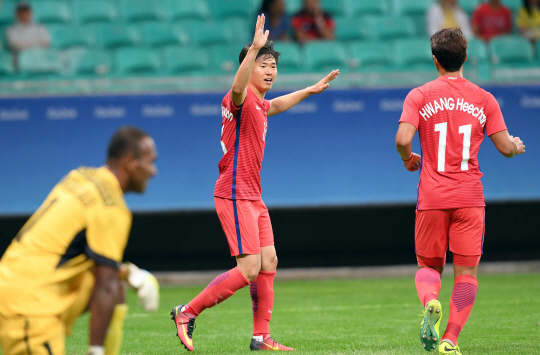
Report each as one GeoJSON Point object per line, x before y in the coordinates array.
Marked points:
{"type": "Point", "coordinates": [466, 131]}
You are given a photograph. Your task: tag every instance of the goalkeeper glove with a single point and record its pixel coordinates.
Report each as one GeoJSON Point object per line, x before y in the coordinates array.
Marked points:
{"type": "Point", "coordinates": [146, 285]}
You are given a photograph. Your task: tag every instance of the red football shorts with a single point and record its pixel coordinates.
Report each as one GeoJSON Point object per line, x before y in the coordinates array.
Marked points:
{"type": "Point", "coordinates": [459, 229]}
{"type": "Point", "coordinates": [246, 224]}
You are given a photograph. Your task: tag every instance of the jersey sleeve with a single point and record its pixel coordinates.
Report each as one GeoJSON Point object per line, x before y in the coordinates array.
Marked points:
{"type": "Point", "coordinates": [494, 117]}
{"type": "Point", "coordinates": [411, 107]}
{"type": "Point", "coordinates": [107, 235]}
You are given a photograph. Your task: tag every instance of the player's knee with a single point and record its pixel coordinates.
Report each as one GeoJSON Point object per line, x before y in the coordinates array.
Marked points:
{"type": "Point", "coordinates": [252, 273]}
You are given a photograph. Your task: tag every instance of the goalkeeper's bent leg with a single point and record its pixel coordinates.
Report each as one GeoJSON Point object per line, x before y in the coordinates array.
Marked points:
{"type": "Point", "coordinates": [113, 339]}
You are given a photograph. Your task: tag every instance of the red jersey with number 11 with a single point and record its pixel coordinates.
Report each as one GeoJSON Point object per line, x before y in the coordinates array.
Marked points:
{"type": "Point", "coordinates": [451, 115]}
{"type": "Point", "coordinates": [243, 138]}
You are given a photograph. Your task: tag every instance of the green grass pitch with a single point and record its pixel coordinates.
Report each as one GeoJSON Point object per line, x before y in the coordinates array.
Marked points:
{"type": "Point", "coordinates": [370, 316]}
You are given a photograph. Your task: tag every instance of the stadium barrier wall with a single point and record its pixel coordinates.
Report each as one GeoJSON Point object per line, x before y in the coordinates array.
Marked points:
{"type": "Point", "coordinates": [330, 171]}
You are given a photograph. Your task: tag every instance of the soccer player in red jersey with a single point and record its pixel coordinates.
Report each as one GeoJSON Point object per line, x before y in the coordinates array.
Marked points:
{"type": "Point", "coordinates": [451, 115]}
{"type": "Point", "coordinates": [237, 195]}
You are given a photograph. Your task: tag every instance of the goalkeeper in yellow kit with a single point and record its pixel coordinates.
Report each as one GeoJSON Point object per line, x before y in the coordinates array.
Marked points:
{"type": "Point", "coordinates": [67, 257]}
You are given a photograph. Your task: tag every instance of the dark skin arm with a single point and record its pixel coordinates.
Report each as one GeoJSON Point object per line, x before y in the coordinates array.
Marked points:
{"type": "Point", "coordinates": [106, 295]}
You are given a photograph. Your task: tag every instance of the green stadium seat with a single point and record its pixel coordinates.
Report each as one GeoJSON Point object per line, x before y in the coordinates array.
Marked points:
{"type": "Point", "coordinates": [513, 5]}
{"type": "Point", "coordinates": [367, 8]}
{"type": "Point", "coordinates": [209, 34]}
{"type": "Point", "coordinates": [89, 62]}
{"type": "Point", "coordinates": [390, 27]}
{"type": "Point", "coordinates": [48, 12]}
{"type": "Point", "coordinates": [323, 56]}
{"type": "Point", "coordinates": [7, 12]}
{"type": "Point", "coordinates": [334, 7]}
{"type": "Point", "coordinates": [231, 8]}
{"type": "Point", "coordinates": [476, 52]}
{"type": "Point", "coordinates": [181, 10]}
{"type": "Point", "coordinates": [186, 60]}
{"type": "Point", "coordinates": [291, 57]}
{"type": "Point", "coordinates": [411, 7]}
{"type": "Point", "coordinates": [117, 35]}
{"type": "Point", "coordinates": [141, 10]}
{"type": "Point", "coordinates": [137, 61]}
{"type": "Point", "coordinates": [163, 34]}
{"type": "Point", "coordinates": [39, 61]}
{"type": "Point", "coordinates": [225, 57]}
{"type": "Point", "coordinates": [414, 54]}
{"type": "Point", "coordinates": [95, 11]}
{"type": "Point", "coordinates": [293, 6]}
{"type": "Point", "coordinates": [71, 36]}
{"type": "Point", "coordinates": [469, 5]}
{"type": "Point", "coordinates": [6, 64]}
{"type": "Point", "coordinates": [373, 56]}
{"type": "Point", "coordinates": [511, 51]}
{"type": "Point", "coordinates": [242, 30]}
{"type": "Point", "coordinates": [350, 29]}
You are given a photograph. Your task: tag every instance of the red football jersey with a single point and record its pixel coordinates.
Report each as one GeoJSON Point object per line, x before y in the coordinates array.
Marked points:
{"type": "Point", "coordinates": [451, 115]}
{"type": "Point", "coordinates": [243, 135]}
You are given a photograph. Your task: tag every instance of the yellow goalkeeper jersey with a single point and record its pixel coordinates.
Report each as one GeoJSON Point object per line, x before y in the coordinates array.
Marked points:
{"type": "Point", "coordinates": [84, 221]}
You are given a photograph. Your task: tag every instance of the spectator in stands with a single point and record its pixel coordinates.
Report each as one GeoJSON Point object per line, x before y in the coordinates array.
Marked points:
{"type": "Point", "coordinates": [492, 19]}
{"type": "Point", "coordinates": [528, 19]}
{"type": "Point", "coordinates": [25, 33]}
{"type": "Point", "coordinates": [312, 23]}
{"type": "Point", "coordinates": [277, 20]}
{"type": "Point", "coordinates": [448, 14]}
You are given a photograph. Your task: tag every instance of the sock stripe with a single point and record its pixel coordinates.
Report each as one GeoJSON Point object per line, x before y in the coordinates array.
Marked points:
{"type": "Point", "coordinates": [254, 297]}
{"type": "Point", "coordinates": [464, 295]}
{"type": "Point", "coordinates": [219, 280]}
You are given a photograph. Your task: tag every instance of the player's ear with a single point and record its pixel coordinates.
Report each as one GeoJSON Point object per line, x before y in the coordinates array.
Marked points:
{"type": "Point", "coordinates": [466, 57]}
{"type": "Point", "coordinates": [129, 161]}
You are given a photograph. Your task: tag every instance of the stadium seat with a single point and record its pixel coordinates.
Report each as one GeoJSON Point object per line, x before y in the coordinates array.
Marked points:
{"type": "Point", "coordinates": [223, 9]}
{"type": "Point", "coordinates": [163, 34]}
{"type": "Point", "coordinates": [511, 51]}
{"type": "Point", "coordinates": [39, 61]}
{"type": "Point", "coordinates": [372, 56]}
{"type": "Point", "coordinates": [186, 60]}
{"type": "Point", "coordinates": [322, 56]}
{"type": "Point", "coordinates": [469, 5]}
{"type": "Point", "coordinates": [181, 10]}
{"type": "Point", "coordinates": [209, 34]}
{"type": "Point", "coordinates": [89, 62]}
{"type": "Point", "coordinates": [225, 57]}
{"type": "Point", "coordinates": [291, 57]}
{"type": "Point", "coordinates": [6, 64]}
{"type": "Point", "coordinates": [95, 11]}
{"type": "Point", "coordinates": [242, 30]}
{"type": "Point", "coordinates": [48, 12]}
{"type": "Point", "coordinates": [366, 8]}
{"type": "Point", "coordinates": [408, 7]}
{"type": "Point", "coordinates": [476, 52]}
{"type": "Point", "coordinates": [334, 7]}
{"type": "Point", "coordinates": [71, 36]}
{"type": "Point", "coordinates": [350, 29]}
{"type": "Point", "coordinates": [7, 12]}
{"type": "Point", "coordinates": [293, 6]}
{"type": "Point", "coordinates": [116, 35]}
{"type": "Point", "coordinates": [141, 10]}
{"type": "Point", "coordinates": [513, 5]}
{"type": "Point", "coordinates": [137, 61]}
{"type": "Point", "coordinates": [413, 54]}
{"type": "Point", "coordinates": [388, 28]}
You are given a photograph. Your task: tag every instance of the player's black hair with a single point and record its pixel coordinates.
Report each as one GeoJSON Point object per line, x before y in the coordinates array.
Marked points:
{"type": "Point", "coordinates": [124, 141]}
{"type": "Point", "coordinates": [266, 51]}
{"type": "Point", "coordinates": [449, 46]}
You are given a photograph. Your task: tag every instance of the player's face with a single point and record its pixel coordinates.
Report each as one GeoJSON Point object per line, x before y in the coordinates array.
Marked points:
{"type": "Point", "coordinates": [144, 168]}
{"type": "Point", "coordinates": [264, 73]}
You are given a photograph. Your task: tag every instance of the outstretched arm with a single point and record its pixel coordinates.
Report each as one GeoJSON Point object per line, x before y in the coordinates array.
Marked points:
{"type": "Point", "coordinates": [241, 80]}
{"type": "Point", "coordinates": [285, 102]}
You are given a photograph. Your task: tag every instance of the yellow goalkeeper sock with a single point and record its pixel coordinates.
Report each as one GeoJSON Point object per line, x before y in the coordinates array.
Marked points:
{"type": "Point", "coordinates": [113, 339]}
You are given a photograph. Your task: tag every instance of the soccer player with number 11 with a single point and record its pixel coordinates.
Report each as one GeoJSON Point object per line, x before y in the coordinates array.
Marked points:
{"type": "Point", "coordinates": [237, 195]}
{"type": "Point", "coordinates": [451, 115]}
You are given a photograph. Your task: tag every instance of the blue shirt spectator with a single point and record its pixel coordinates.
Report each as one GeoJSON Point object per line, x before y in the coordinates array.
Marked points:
{"type": "Point", "coordinates": [277, 20]}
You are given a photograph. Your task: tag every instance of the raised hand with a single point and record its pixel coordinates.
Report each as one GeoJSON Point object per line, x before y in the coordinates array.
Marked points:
{"type": "Point", "coordinates": [261, 36]}
{"type": "Point", "coordinates": [325, 82]}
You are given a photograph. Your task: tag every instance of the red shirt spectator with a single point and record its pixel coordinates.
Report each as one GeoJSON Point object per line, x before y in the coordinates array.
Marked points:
{"type": "Point", "coordinates": [492, 19]}
{"type": "Point", "coordinates": [312, 23]}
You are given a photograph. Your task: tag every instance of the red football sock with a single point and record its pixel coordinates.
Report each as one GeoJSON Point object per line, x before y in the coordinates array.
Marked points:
{"type": "Point", "coordinates": [262, 302]}
{"type": "Point", "coordinates": [221, 288]}
{"type": "Point", "coordinates": [461, 304]}
{"type": "Point", "coordinates": [428, 284]}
